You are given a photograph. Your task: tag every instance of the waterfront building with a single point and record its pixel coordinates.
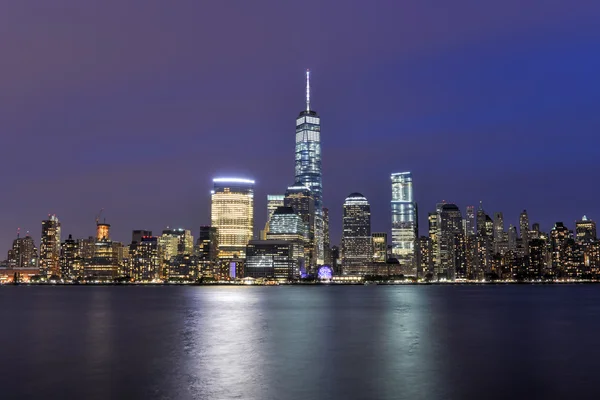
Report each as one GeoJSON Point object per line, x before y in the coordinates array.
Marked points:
{"type": "Point", "coordinates": [146, 259]}
{"type": "Point", "coordinates": [300, 200]}
{"type": "Point", "coordinates": [23, 254]}
{"type": "Point", "coordinates": [271, 259]}
{"type": "Point", "coordinates": [450, 226]}
{"type": "Point", "coordinates": [357, 246]}
{"type": "Point", "coordinates": [182, 268]}
{"type": "Point", "coordinates": [558, 242]}
{"type": "Point", "coordinates": [50, 247]}
{"type": "Point", "coordinates": [433, 220]}
{"type": "Point", "coordinates": [326, 238]}
{"type": "Point", "coordinates": [308, 170]}
{"type": "Point", "coordinates": [425, 257]}
{"type": "Point", "coordinates": [404, 220]}
{"type": "Point", "coordinates": [232, 214]}
{"type": "Point", "coordinates": [288, 226]}
{"type": "Point", "coordinates": [71, 262]}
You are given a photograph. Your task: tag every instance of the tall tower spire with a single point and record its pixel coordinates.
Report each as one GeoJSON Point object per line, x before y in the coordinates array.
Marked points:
{"type": "Point", "coordinates": [308, 90]}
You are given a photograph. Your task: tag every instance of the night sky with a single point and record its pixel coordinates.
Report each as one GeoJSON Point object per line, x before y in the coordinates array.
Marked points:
{"type": "Point", "coordinates": [134, 106]}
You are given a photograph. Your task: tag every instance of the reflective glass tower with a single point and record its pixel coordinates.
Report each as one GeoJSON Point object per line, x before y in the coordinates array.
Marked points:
{"type": "Point", "coordinates": [403, 219]}
{"type": "Point", "coordinates": [308, 164]}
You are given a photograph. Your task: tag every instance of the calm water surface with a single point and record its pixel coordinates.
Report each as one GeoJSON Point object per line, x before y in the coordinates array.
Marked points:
{"type": "Point", "coordinates": [327, 342]}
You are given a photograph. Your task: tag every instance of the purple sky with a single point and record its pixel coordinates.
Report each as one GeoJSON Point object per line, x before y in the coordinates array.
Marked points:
{"type": "Point", "coordinates": [134, 106]}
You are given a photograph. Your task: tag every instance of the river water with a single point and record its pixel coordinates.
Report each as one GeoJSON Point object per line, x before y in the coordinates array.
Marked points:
{"type": "Point", "coordinates": [300, 342]}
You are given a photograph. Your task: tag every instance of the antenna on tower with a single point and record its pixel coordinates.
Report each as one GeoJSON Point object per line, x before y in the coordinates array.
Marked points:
{"type": "Point", "coordinates": [308, 90]}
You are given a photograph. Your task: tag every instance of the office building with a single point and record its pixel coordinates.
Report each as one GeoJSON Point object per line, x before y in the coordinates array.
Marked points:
{"type": "Point", "coordinates": [585, 230]}
{"type": "Point", "coordinates": [308, 165]}
{"type": "Point", "coordinates": [208, 243]}
{"type": "Point", "coordinates": [271, 259]}
{"type": "Point", "coordinates": [232, 214]}
{"type": "Point", "coordinates": [404, 220]}
{"type": "Point", "coordinates": [357, 245]}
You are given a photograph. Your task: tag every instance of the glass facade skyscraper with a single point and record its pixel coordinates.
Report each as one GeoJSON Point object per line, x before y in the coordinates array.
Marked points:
{"type": "Point", "coordinates": [404, 220]}
{"type": "Point", "coordinates": [308, 165]}
{"type": "Point", "coordinates": [357, 243]}
{"type": "Point", "coordinates": [232, 213]}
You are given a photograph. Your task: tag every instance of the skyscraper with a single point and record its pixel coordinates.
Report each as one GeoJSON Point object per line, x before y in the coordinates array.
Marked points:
{"type": "Point", "coordinates": [70, 259]}
{"type": "Point", "coordinates": [357, 245]}
{"type": "Point", "coordinates": [300, 199]}
{"type": "Point", "coordinates": [450, 228]}
{"type": "Point", "coordinates": [50, 247]}
{"type": "Point", "coordinates": [308, 165]}
{"type": "Point", "coordinates": [232, 213]}
{"type": "Point", "coordinates": [470, 221]}
{"type": "Point", "coordinates": [208, 243]}
{"type": "Point", "coordinates": [326, 238]}
{"type": "Point", "coordinates": [23, 254]}
{"type": "Point", "coordinates": [524, 231]}
{"type": "Point", "coordinates": [585, 230]}
{"type": "Point", "coordinates": [403, 220]}
{"type": "Point", "coordinates": [175, 242]}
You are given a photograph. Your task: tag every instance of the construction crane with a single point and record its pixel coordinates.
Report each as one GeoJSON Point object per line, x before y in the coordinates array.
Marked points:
{"type": "Point", "coordinates": [99, 215]}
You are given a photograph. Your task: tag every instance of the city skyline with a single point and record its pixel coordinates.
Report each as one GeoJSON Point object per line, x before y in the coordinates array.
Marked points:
{"type": "Point", "coordinates": [141, 120]}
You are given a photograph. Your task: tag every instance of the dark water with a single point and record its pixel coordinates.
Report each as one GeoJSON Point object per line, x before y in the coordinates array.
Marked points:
{"type": "Point", "coordinates": [367, 342]}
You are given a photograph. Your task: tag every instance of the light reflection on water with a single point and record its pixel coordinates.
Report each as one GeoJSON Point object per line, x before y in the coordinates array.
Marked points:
{"type": "Point", "coordinates": [333, 342]}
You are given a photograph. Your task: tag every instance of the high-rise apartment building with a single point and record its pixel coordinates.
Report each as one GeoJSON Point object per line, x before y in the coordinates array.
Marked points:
{"type": "Point", "coordinates": [71, 262]}
{"type": "Point", "coordinates": [50, 247]}
{"type": "Point", "coordinates": [308, 165]}
{"type": "Point", "coordinates": [23, 254]}
{"type": "Point", "coordinates": [404, 220]}
{"type": "Point", "coordinates": [146, 259]}
{"type": "Point", "coordinates": [357, 245]}
{"type": "Point", "coordinates": [232, 213]}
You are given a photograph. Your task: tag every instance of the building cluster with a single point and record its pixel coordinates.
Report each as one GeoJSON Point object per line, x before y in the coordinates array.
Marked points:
{"type": "Point", "coordinates": [478, 247]}
{"type": "Point", "coordinates": [295, 243]}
